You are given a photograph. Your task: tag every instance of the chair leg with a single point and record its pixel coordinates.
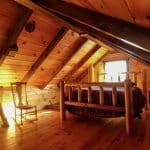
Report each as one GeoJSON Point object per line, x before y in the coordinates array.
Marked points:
{"type": "Point", "coordinates": [21, 117]}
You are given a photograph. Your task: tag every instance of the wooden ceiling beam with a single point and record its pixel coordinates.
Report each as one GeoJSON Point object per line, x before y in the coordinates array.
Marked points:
{"type": "Point", "coordinates": [39, 10]}
{"type": "Point", "coordinates": [101, 58]}
{"type": "Point", "coordinates": [112, 26]}
{"type": "Point", "coordinates": [12, 38]}
{"type": "Point", "coordinates": [78, 44]}
{"type": "Point", "coordinates": [45, 54]}
{"type": "Point", "coordinates": [94, 28]}
{"type": "Point", "coordinates": [136, 52]}
{"type": "Point", "coordinates": [126, 37]}
{"type": "Point", "coordinates": [81, 62]}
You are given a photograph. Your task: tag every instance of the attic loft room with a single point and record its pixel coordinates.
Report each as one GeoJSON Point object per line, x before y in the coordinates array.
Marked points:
{"type": "Point", "coordinates": [74, 74]}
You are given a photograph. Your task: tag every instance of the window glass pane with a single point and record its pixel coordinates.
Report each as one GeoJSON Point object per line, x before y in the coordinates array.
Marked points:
{"type": "Point", "coordinates": [114, 70]}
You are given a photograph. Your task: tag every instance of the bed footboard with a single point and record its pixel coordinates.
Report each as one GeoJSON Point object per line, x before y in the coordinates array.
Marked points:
{"type": "Point", "coordinates": [66, 89]}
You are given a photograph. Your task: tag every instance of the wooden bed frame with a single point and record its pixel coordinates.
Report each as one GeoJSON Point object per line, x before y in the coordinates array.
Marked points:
{"type": "Point", "coordinates": [66, 89]}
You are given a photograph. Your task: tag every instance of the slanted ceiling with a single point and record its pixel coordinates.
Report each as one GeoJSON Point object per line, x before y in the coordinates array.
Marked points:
{"type": "Point", "coordinates": [133, 11]}
{"type": "Point", "coordinates": [54, 51]}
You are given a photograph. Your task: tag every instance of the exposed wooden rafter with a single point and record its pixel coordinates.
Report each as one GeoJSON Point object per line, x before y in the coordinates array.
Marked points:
{"type": "Point", "coordinates": [76, 48]}
{"type": "Point", "coordinates": [81, 76]}
{"type": "Point", "coordinates": [100, 59]}
{"type": "Point", "coordinates": [39, 10]}
{"type": "Point", "coordinates": [12, 39]}
{"type": "Point", "coordinates": [111, 26]}
{"type": "Point", "coordinates": [86, 71]}
{"type": "Point", "coordinates": [81, 62]}
{"type": "Point", "coordinates": [119, 34]}
{"type": "Point", "coordinates": [45, 54]}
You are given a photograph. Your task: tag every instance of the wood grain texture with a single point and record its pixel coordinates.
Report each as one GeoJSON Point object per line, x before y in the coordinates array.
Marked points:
{"type": "Point", "coordinates": [45, 54]}
{"type": "Point", "coordinates": [95, 57]}
{"type": "Point", "coordinates": [12, 39]}
{"type": "Point", "coordinates": [47, 133]}
{"type": "Point", "coordinates": [82, 61]}
{"type": "Point", "coordinates": [80, 53]}
{"type": "Point", "coordinates": [110, 8]}
{"type": "Point", "coordinates": [75, 50]}
{"type": "Point", "coordinates": [140, 12]}
{"type": "Point", "coordinates": [61, 13]}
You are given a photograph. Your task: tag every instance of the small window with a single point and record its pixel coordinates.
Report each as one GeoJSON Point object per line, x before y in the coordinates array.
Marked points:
{"type": "Point", "coordinates": [115, 70]}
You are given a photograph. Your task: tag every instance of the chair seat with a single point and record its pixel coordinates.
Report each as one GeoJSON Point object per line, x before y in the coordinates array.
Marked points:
{"type": "Point", "coordinates": [25, 106]}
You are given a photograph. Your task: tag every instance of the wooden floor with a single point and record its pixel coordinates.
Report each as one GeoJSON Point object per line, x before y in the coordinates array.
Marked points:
{"type": "Point", "coordinates": [75, 134]}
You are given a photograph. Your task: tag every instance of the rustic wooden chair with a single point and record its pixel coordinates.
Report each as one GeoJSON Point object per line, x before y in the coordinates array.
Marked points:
{"type": "Point", "coordinates": [20, 99]}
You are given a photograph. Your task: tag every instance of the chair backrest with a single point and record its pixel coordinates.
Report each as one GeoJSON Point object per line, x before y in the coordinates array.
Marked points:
{"type": "Point", "coordinates": [19, 93]}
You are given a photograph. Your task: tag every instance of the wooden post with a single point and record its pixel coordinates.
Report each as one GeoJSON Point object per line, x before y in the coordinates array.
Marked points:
{"type": "Point", "coordinates": [62, 102]}
{"type": "Point", "coordinates": [92, 73]}
{"type": "Point", "coordinates": [89, 95]}
{"type": "Point", "coordinates": [127, 76]}
{"type": "Point", "coordinates": [79, 93]}
{"type": "Point", "coordinates": [135, 78]}
{"type": "Point", "coordinates": [128, 107]}
{"type": "Point", "coordinates": [70, 93]}
{"type": "Point", "coordinates": [144, 86]}
{"type": "Point", "coordinates": [114, 98]}
{"type": "Point", "coordinates": [148, 98]}
{"type": "Point", "coordinates": [101, 95]}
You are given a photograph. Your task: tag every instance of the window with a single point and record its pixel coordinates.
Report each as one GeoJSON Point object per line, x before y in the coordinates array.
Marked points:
{"type": "Point", "coordinates": [115, 70]}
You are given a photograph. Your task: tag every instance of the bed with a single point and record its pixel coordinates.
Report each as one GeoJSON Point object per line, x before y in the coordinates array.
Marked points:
{"type": "Point", "coordinates": [103, 99]}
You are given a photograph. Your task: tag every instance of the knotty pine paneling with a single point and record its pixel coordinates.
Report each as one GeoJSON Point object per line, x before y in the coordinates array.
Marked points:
{"type": "Point", "coordinates": [90, 61]}
{"type": "Point", "coordinates": [14, 68]}
{"type": "Point", "coordinates": [117, 9]}
{"type": "Point", "coordinates": [140, 10]}
{"type": "Point", "coordinates": [137, 66]}
{"type": "Point", "coordinates": [72, 62]}
{"type": "Point", "coordinates": [31, 45]}
{"type": "Point", "coordinates": [55, 59]}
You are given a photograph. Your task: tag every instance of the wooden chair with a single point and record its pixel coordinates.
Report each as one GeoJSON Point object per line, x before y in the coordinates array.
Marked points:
{"type": "Point", "coordinates": [20, 99]}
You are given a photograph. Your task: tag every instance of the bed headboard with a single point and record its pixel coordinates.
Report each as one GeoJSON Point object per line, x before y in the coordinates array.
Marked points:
{"type": "Point", "coordinates": [136, 77]}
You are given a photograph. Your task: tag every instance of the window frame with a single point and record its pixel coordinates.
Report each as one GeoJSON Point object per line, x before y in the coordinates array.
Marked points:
{"type": "Point", "coordinates": [126, 60]}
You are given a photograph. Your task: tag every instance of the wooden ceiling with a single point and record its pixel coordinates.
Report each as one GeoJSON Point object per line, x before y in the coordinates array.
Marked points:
{"type": "Point", "coordinates": [137, 12]}
{"type": "Point", "coordinates": [57, 48]}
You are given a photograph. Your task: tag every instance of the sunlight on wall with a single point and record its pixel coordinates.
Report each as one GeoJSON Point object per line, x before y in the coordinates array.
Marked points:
{"type": "Point", "coordinates": [7, 76]}
{"type": "Point", "coordinates": [8, 108]}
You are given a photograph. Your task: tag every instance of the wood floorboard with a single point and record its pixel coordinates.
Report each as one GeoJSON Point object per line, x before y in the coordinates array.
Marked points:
{"type": "Point", "coordinates": [76, 133]}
